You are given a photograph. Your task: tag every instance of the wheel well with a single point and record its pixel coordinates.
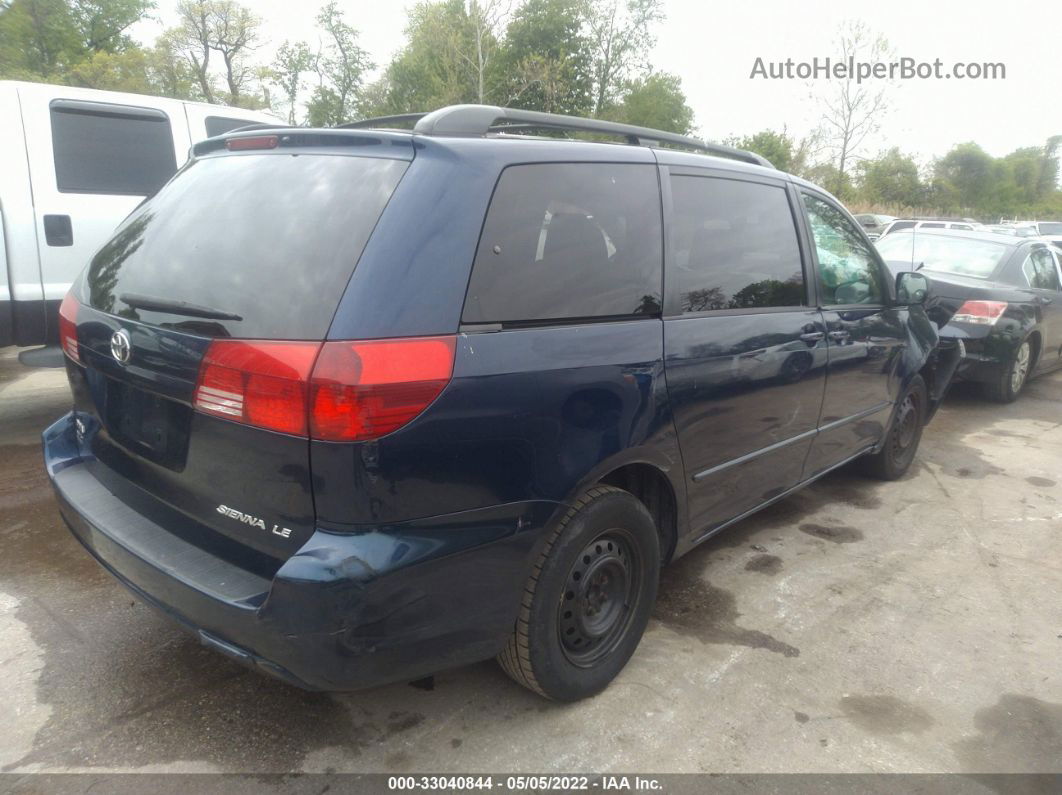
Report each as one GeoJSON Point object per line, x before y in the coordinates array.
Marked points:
{"type": "Point", "coordinates": [652, 487]}
{"type": "Point", "coordinates": [1034, 338]}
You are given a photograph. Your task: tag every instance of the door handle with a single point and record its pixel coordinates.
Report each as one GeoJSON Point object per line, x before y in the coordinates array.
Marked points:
{"type": "Point", "coordinates": [811, 337]}
{"type": "Point", "coordinates": [839, 336]}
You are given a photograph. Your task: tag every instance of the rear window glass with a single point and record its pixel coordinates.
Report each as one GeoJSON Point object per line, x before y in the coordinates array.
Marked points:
{"type": "Point", "coordinates": [114, 152]}
{"type": "Point", "coordinates": [271, 238]}
{"type": "Point", "coordinates": [734, 246]}
{"type": "Point", "coordinates": [569, 240]}
{"type": "Point", "coordinates": [959, 255]}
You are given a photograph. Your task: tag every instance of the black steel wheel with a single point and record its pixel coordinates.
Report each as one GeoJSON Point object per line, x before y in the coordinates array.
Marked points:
{"type": "Point", "coordinates": [601, 588]}
{"type": "Point", "coordinates": [588, 598]}
{"type": "Point", "coordinates": [901, 441]}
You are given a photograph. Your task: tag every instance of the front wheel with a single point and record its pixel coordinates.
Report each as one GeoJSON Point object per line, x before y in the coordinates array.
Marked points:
{"type": "Point", "coordinates": [1006, 387]}
{"type": "Point", "coordinates": [588, 599]}
{"type": "Point", "coordinates": [901, 442]}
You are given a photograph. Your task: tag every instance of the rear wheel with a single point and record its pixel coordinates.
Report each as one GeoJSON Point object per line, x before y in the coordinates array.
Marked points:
{"type": "Point", "coordinates": [1006, 387]}
{"type": "Point", "coordinates": [901, 443]}
{"type": "Point", "coordinates": [587, 601]}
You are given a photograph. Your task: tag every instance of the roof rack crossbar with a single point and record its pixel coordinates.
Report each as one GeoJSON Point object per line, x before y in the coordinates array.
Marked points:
{"type": "Point", "coordinates": [380, 121]}
{"type": "Point", "coordinates": [473, 120]}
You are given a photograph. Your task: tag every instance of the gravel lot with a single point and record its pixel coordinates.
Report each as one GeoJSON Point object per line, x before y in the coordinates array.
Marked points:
{"type": "Point", "coordinates": [857, 626]}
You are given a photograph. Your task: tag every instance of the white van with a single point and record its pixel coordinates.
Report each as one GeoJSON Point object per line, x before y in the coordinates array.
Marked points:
{"type": "Point", "coordinates": [73, 163]}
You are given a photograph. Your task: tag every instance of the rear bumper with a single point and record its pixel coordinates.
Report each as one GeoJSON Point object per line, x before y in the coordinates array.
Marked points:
{"type": "Point", "coordinates": [986, 351]}
{"type": "Point", "coordinates": [347, 611]}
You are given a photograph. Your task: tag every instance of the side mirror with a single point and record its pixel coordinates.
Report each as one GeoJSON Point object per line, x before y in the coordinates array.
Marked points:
{"type": "Point", "coordinates": [911, 288]}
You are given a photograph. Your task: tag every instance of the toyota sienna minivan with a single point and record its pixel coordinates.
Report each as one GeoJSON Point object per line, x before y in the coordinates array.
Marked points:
{"type": "Point", "coordinates": [356, 405]}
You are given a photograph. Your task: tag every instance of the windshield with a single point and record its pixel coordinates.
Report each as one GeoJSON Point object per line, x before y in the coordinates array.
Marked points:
{"type": "Point", "coordinates": [1051, 228]}
{"type": "Point", "coordinates": [977, 258]}
{"type": "Point", "coordinates": [260, 245]}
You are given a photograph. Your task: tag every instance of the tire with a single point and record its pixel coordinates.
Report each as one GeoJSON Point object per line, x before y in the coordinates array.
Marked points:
{"type": "Point", "coordinates": [1008, 385]}
{"type": "Point", "coordinates": [575, 633]}
{"type": "Point", "coordinates": [905, 433]}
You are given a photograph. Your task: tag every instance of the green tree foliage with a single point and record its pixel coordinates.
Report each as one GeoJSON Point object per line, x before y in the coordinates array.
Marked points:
{"type": "Point", "coordinates": [892, 178]}
{"type": "Point", "coordinates": [435, 68]}
{"type": "Point", "coordinates": [654, 101]}
{"type": "Point", "coordinates": [341, 67]}
{"type": "Point", "coordinates": [289, 69]}
{"type": "Point", "coordinates": [620, 36]}
{"type": "Point", "coordinates": [102, 24]}
{"type": "Point", "coordinates": [546, 61]}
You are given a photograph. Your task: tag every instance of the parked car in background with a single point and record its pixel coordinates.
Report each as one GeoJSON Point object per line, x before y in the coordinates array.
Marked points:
{"type": "Point", "coordinates": [1049, 230]}
{"type": "Point", "coordinates": [1013, 230]}
{"type": "Point", "coordinates": [928, 223]}
{"type": "Point", "coordinates": [475, 416]}
{"type": "Point", "coordinates": [874, 223]}
{"type": "Point", "coordinates": [1000, 295]}
{"type": "Point", "coordinates": [75, 162]}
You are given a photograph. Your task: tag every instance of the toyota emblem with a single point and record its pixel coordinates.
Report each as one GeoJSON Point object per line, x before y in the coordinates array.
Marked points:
{"type": "Point", "coordinates": [121, 347]}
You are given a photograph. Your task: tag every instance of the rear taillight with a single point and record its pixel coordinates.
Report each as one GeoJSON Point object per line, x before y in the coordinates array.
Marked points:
{"type": "Point", "coordinates": [363, 390]}
{"type": "Point", "coordinates": [356, 391]}
{"type": "Point", "coordinates": [257, 383]}
{"type": "Point", "coordinates": [982, 313]}
{"type": "Point", "coordinates": [68, 327]}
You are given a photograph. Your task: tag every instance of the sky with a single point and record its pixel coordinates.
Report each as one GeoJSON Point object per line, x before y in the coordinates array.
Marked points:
{"type": "Point", "coordinates": [713, 46]}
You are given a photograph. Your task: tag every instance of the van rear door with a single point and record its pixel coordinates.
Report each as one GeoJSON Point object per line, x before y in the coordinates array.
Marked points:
{"type": "Point", "coordinates": [91, 163]}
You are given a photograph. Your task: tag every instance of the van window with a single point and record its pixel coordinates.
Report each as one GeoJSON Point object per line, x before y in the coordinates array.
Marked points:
{"type": "Point", "coordinates": [219, 125]}
{"type": "Point", "coordinates": [111, 149]}
{"type": "Point", "coordinates": [269, 239]}
{"type": "Point", "coordinates": [848, 271]}
{"type": "Point", "coordinates": [569, 240]}
{"type": "Point", "coordinates": [734, 246]}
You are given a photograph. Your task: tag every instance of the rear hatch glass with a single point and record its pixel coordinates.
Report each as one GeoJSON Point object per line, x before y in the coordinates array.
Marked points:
{"type": "Point", "coordinates": [268, 238]}
{"type": "Point", "coordinates": [251, 246]}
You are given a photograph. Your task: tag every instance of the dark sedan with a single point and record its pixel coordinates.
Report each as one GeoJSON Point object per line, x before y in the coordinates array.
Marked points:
{"type": "Point", "coordinates": [1000, 295]}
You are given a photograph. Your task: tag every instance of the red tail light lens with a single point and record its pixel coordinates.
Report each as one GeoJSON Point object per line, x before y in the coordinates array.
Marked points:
{"type": "Point", "coordinates": [982, 313]}
{"type": "Point", "coordinates": [257, 142]}
{"type": "Point", "coordinates": [363, 390]}
{"type": "Point", "coordinates": [68, 327]}
{"type": "Point", "coordinates": [356, 390]}
{"type": "Point", "coordinates": [257, 383]}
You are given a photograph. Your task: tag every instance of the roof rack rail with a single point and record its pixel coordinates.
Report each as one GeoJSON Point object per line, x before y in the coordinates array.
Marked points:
{"type": "Point", "coordinates": [476, 120]}
{"type": "Point", "coordinates": [380, 121]}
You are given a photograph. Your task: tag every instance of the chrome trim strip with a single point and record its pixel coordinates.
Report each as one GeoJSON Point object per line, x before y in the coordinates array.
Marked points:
{"type": "Point", "coordinates": [786, 442]}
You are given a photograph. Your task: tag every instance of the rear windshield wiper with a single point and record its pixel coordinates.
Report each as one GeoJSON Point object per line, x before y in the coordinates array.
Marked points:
{"type": "Point", "coordinates": [175, 307]}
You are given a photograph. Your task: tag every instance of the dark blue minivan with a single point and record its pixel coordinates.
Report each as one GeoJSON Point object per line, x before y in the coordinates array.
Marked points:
{"type": "Point", "coordinates": [355, 405]}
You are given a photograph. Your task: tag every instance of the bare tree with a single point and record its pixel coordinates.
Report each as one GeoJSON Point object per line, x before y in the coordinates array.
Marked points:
{"type": "Point", "coordinates": [852, 110]}
{"type": "Point", "coordinates": [221, 26]}
{"type": "Point", "coordinates": [234, 33]}
{"type": "Point", "coordinates": [621, 36]}
{"type": "Point", "coordinates": [485, 17]}
{"type": "Point", "coordinates": [191, 40]}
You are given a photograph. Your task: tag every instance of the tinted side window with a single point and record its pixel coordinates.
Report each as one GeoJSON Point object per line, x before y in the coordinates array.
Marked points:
{"type": "Point", "coordinates": [1040, 270]}
{"type": "Point", "coordinates": [569, 240]}
{"type": "Point", "coordinates": [734, 246]}
{"type": "Point", "coordinates": [848, 271]}
{"type": "Point", "coordinates": [127, 151]}
{"type": "Point", "coordinates": [931, 225]}
{"type": "Point", "coordinates": [218, 125]}
{"type": "Point", "coordinates": [902, 225]}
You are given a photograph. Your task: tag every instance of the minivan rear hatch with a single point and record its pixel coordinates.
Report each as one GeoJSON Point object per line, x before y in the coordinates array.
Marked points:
{"type": "Point", "coordinates": [190, 330]}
